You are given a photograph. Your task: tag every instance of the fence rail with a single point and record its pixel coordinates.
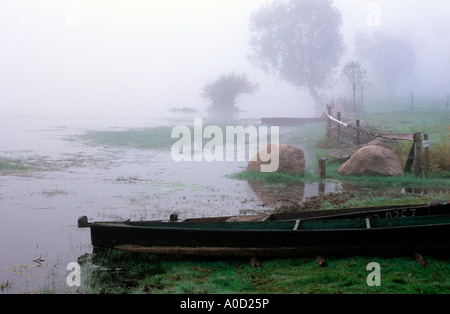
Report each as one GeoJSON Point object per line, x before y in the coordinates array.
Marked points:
{"type": "Point", "coordinates": [414, 158]}
{"type": "Point", "coordinates": [387, 135]}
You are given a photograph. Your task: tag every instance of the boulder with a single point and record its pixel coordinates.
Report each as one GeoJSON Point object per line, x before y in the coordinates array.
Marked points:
{"type": "Point", "coordinates": [386, 143]}
{"type": "Point", "coordinates": [373, 160]}
{"type": "Point", "coordinates": [342, 155]}
{"type": "Point", "coordinates": [291, 160]}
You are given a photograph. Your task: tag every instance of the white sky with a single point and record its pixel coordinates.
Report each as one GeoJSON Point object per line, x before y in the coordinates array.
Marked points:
{"type": "Point", "coordinates": [111, 56]}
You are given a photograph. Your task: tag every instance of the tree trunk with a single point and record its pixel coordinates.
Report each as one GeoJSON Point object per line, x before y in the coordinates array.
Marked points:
{"type": "Point", "coordinates": [317, 98]}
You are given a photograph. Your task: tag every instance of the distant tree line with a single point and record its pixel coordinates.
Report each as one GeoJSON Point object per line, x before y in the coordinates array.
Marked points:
{"type": "Point", "coordinates": [300, 42]}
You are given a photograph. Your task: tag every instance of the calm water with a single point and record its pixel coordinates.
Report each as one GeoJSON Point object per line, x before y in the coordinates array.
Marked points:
{"type": "Point", "coordinates": [39, 209]}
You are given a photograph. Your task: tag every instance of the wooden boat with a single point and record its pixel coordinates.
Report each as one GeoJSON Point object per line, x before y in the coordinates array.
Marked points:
{"type": "Point", "coordinates": [348, 231]}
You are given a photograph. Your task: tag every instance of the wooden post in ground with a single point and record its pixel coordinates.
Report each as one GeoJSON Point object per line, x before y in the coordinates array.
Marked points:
{"type": "Point", "coordinates": [338, 129]}
{"type": "Point", "coordinates": [358, 141]}
{"type": "Point", "coordinates": [321, 190]}
{"type": "Point", "coordinates": [412, 101]}
{"type": "Point", "coordinates": [447, 100]}
{"type": "Point", "coordinates": [322, 168]}
{"type": "Point", "coordinates": [418, 154]}
{"type": "Point", "coordinates": [426, 155]}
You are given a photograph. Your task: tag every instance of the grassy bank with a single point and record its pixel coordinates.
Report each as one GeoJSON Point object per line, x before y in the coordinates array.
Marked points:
{"type": "Point", "coordinates": [163, 275]}
{"type": "Point", "coordinates": [406, 181]}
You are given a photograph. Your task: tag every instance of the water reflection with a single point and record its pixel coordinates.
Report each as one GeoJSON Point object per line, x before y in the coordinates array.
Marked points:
{"type": "Point", "coordinates": [273, 196]}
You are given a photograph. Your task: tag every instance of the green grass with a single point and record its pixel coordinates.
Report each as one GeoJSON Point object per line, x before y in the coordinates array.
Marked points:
{"type": "Point", "coordinates": [428, 116]}
{"type": "Point", "coordinates": [407, 180]}
{"type": "Point", "coordinates": [432, 123]}
{"type": "Point", "coordinates": [174, 275]}
{"type": "Point", "coordinates": [368, 200]}
{"type": "Point", "coordinates": [373, 198]}
{"type": "Point", "coordinates": [145, 138]}
{"type": "Point", "coordinates": [271, 177]}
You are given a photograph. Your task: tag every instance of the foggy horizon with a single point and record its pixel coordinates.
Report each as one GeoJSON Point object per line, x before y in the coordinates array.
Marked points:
{"type": "Point", "coordinates": [115, 57]}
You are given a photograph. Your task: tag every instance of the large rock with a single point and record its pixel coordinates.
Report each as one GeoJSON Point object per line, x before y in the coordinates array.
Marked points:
{"type": "Point", "coordinates": [373, 160]}
{"type": "Point", "coordinates": [342, 155]}
{"type": "Point", "coordinates": [291, 160]}
{"type": "Point", "coordinates": [386, 143]}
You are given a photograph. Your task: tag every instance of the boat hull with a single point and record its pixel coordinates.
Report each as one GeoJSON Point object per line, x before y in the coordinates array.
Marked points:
{"type": "Point", "coordinates": [376, 230]}
{"type": "Point", "coordinates": [218, 242]}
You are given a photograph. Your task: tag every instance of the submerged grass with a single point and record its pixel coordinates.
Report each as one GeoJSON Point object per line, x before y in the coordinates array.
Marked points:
{"type": "Point", "coordinates": [145, 138]}
{"type": "Point", "coordinates": [24, 166]}
{"type": "Point", "coordinates": [9, 166]}
{"type": "Point", "coordinates": [271, 177]}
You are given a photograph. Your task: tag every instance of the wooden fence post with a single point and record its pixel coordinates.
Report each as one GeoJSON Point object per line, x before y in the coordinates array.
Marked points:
{"type": "Point", "coordinates": [321, 190]}
{"type": "Point", "coordinates": [447, 100]}
{"type": "Point", "coordinates": [322, 168]}
{"type": "Point", "coordinates": [412, 101]}
{"type": "Point", "coordinates": [426, 155]}
{"type": "Point", "coordinates": [338, 128]}
{"type": "Point", "coordinates": [358, 141]}
{"type": "Point", "coordinates": [418, 154]}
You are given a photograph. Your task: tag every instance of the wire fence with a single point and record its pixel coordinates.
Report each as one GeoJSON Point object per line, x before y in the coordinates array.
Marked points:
{"type": "Point", "coordinates": [414, 158]}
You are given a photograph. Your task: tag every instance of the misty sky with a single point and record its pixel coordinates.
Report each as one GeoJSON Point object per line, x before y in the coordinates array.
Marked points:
{"type": "Point", "coordinates": [92, 57]}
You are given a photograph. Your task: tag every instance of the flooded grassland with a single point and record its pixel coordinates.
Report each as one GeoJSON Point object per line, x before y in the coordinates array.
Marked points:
{"type": "Point", "coordinates": [52, 171]}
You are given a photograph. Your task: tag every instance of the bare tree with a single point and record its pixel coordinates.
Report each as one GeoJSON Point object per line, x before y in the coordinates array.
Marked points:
{"type": "Point", "coordinates": [356, 75]}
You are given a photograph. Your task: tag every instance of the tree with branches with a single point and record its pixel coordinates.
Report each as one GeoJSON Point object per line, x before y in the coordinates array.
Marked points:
{"type": "Point", "coordinates": [356, 75]}
{"type": "Point", "coordinates": [224, 91]}
{"type": "Point", "coordinates": [300, 41]}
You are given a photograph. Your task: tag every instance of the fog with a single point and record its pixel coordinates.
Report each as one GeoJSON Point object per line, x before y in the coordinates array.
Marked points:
{"type": "Point", "coordinates": [69, 57]}
{"type": "Point", "coordinates": [424, 23]}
